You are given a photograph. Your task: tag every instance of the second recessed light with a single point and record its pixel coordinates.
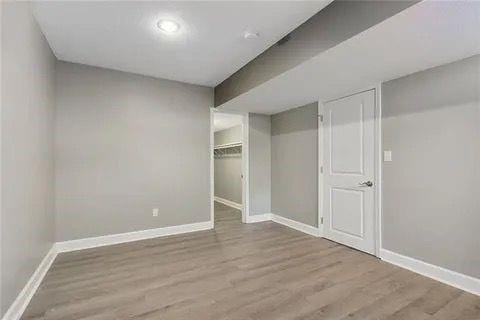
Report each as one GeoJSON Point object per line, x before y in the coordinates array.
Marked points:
{"type": "Point", "coordinates": [251, 35]}
{"type": "Point", "coordinates": [168, 26]}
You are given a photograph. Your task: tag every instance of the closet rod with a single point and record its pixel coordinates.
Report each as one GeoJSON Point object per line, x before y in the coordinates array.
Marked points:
{"type": "Point", "coordinates": [228, 145]}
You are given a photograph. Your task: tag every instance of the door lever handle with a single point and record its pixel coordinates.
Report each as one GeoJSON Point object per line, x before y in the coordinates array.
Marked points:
{"type": "Point", "coordinates": [366, 184]}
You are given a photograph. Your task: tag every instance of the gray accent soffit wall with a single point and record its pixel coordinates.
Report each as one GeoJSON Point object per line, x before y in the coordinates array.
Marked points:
{"type": "Point", "coordinates": [336, 23]}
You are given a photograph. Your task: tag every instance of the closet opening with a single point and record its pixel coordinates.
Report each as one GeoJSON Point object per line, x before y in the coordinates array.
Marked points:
{"type": "Point", "coordinates": [229, 167]}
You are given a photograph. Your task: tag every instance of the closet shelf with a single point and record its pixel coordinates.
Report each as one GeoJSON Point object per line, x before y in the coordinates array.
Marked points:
{"type": "Point", "coordinates": [228, 145]}
{"type": "Point", "coordinates": [228, 150]}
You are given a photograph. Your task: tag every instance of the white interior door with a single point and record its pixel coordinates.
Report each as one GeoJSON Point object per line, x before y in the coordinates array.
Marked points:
{"type": "Point", "coordinates": [349, 171]}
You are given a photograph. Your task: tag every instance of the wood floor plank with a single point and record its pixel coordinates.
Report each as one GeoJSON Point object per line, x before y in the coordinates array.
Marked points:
{"type": "Point", "coordinates": [261, 271]}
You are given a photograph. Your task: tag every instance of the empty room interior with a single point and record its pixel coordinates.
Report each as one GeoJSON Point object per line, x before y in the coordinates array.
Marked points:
{"type": "Point", "coordinates": [240, 160]}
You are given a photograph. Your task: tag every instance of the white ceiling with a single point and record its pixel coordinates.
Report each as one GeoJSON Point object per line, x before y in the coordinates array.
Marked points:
{"type": "Point", "coordinates": [122, 35]}
{"type": "Point", "coordinates": [428, 34]}
{"type": "Point", "coordinates": [222, 121]}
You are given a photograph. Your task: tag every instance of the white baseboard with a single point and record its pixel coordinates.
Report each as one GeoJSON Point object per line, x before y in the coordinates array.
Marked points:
{"type": "Point", "coordinates": [259, 218]}
{"type": "Point", "coordinates": [229, 203]}
{"type": "Point", "coordinates": [23, 299]}
{"type": "Point", "coordinates": [302, 227]}
{"type": "Point", "coordinates": [93, 242]}
{"type": "Point", "coordinates": [313, 231]}
{"type": "Point", "coordinates": [452, 278]}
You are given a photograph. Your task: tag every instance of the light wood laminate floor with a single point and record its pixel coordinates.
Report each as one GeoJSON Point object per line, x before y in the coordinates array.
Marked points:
{"type": "Point", "coordinates": [237, 271]}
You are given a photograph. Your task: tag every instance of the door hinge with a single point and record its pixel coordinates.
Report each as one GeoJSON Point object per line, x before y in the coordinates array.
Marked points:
{"type": "Point", "coordinates": [321, 220]}
{"type": "Point", "coordinates": [321, 117]}
{"type": "Point", "coordinates": [321, 169]}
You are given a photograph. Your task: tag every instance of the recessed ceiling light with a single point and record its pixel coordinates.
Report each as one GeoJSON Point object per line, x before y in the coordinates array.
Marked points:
{"type": "Point", "coordinates": [250, 35]}
{"type": "Point", "coordinates": [168, 26]}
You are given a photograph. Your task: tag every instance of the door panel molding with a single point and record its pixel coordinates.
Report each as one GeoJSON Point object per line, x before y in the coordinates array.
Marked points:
{"type": "Point", "coordinates": [361, 166]}
{"type": "Point", "coordinates": [360, 234]}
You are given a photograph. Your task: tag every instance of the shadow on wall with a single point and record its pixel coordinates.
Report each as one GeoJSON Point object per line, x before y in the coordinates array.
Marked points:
{"type": "Point", "coordinates": [299, 119]}
{"type": "Point", "coordinates": [295, 164]}
{"type": "Point", "coordinates": [446, 86]}
{"type": "Point", "coordinates": [260, 163]}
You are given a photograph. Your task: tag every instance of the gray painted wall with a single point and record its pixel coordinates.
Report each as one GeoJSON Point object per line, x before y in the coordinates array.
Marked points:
{"type": "Point", "coordinates": [126, 144]}
{"type": "Point", "coordinates": [230, 135]}
{"type": "Point", "coordinates": [431, 193]}
{"type": "Point", "coordinates": [259, 153]}
{"type": "Point", "coordinates": [295, 164]}
{"type": "Point", "coordinates": [27, 100]}
{"type": "Point", "coordinates": [228, 168]}
{"type": "Point", "coordinates": [332, 25]}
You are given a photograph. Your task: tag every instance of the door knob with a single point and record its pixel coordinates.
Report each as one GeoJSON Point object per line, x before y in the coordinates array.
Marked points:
{"type": "Point", "coordinates": [366, 184]}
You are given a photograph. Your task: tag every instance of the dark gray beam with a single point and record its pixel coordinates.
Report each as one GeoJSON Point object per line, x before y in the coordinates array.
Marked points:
{"type": "Point", "coordinates": [336, 23]}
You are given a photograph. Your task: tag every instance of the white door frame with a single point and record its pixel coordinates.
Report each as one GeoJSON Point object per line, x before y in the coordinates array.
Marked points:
{"type": "Point", "coordinates": [245, 165]}
{"type": "Point", "coordinates": [377, 164]}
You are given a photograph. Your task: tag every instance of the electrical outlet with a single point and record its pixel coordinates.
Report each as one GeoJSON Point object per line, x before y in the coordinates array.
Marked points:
{"type": "Point", "coordinates": [155, 212]}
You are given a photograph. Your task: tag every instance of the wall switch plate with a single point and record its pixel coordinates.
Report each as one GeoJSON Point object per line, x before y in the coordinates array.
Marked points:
{"type": "Point", "coordinates": [155, 212]}
{"type": "Point", "coordinates": [387, 155]}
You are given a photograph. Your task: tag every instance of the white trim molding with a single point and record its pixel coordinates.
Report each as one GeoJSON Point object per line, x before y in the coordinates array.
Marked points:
{"type": "Point", "coordinates": [212, 166]}
{"type": "Point", "coordinates": [320, 169]}
{"type": "Point", "coordinates": [378, 169]}
{"type": "Point", "coordinates": [229, 203]}
{"type": "Point", "coordinates": [299, 226]}
{"type": "Point", "coordinates": [305, 228]}
{"type": "Point", "coordinates": [23, 299]}
{"type": "Point", "coordinates": [86, 243]}
{"type": "Point", "coordinates": [452, 278]}
{"type": "Point", "coordinates": [259, 218]}
{"type": "Point", "coordinates": [245, 167]}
